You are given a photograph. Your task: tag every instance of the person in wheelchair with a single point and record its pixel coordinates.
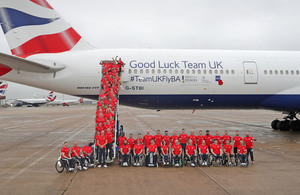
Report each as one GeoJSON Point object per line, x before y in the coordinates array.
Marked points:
{"type": "Point", "coordinates": [216, 151]}
{"type": "Point", "coordinates": [125, 152]}
{"type": "Point", "coordinates": [165, 152]}
{"type": "Point", "coordinates": [242, 153]}
{"type": "Point", "coordinates": [151, 158]}
{"type": "Point", "coordinates": [203, 151]}
{"type": "Point", "coordinates": [66, 156]}
{"type": "Point", "coordinates": [191, 152]}
{"type": "Point", "coordinates": [87, 152]}
{"type": "Point", "coordinates": [176, 153]}
{"type": "Point", "coordinates": [228, 151]}
{"type": "Point", "coordinates": [77, 155]}
{"type": "Point", "coordinates": [137, 152]}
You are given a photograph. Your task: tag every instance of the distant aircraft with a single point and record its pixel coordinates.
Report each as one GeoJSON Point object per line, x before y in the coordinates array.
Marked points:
{"type": "Point", "coordinates": [49, 100]}
{"type": "Point", "coordinates": [35, 102]}
{"type": "Point", "coordinates": [3, 87]}
{"type": "Point", "coordinates": [48, 53]}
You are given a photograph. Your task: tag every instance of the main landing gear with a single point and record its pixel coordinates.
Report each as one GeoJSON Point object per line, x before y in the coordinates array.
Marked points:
{"type": "Point", "coordinates": [290, 122]}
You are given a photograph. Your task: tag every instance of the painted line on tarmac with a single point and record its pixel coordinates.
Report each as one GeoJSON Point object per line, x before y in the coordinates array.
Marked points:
{"type": "Point", "coordinates": [46, 154]}
{"type": "Point", "coordinates": [213, 180]}
{"type": "Point", "coordinates": [30, 157]}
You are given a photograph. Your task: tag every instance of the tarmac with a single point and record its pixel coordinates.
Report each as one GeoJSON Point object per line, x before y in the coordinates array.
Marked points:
{"type": "Point", "coordinates": [31, 139]}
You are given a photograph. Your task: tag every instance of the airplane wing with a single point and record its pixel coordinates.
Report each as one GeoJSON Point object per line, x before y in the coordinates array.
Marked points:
{"type": "Point", "coordinates": [33, 102]}
{"type": "Point", "coordinates": [17, 63]}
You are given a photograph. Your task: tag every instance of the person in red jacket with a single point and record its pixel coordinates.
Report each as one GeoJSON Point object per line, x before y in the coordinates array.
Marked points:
{"type": "Point", "coordinates": [77, 154]}
{"type": "Point", "coordinates": [140, 138]}
{"type": "Point", "coordinates": [137, 152]}
{"type": "Point", "coordinates": [157, 139]}
{"type": "Point", "coordinates": [216, 150]}
{"type": "Point", "coordinates": [203, 151]}
{"type": "Point", "coordinates": [165, 152]}
{"type": "Point", "coordinates": [121, 139]}
{"type": "Point", "coordinates": [193, 137]}
{"type": "Point", "coordinates": [109, 147]}
{"type": "Point", "coordinates": [226, 137]}
{"type": "Point", "coordinates": [151, 158]}
{"type": "Point", "coordinates": [66, 156]}
{"type": "Point", "coordinates": [183, 139]}
{"type": "Point", "coordinates": [237, 141]}
{"type": "Point", "coordinates": [242, 150]}
{"type": "Point", "coordinates": [102, 141]}
{"type": "Point", "coordinates": [218, 137]}
{"type": "Point", "coordinates": [249, 144]}
{"type": "Point", "coordinates": [200, 138]}
{"type": "Point", "coordinates": [190, 152]}
{"type": "Point", "coordinates": [87, 152]}
{"type": "Point", "coordinates": [176, 153]}
{"type": "Point", "coordinates": [208, 140]}
{"type": "Point", "coordinates": [131, 142]}
{"type": "Point", "coordinates": [228, 151]}
{"type": "Point", "coordinates": [125, 152]}
{"type": "Point", "coordinates": [174, 137]}
{"type": "Point", "coordinates": [147, 140]}
{"type": "Point", "coordinates": [167, 138]}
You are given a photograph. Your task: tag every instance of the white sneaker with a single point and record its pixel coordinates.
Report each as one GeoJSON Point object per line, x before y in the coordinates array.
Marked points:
{"type": "Point", "coordinates": [91, 165]}
{"type": "Point", "coordinates": [79, 168]}
{"type": "Point", "coordinates": [205, 163]}
{"type": "Point", "coordinates": [70, 169]}
{"type": "Point", "coordinates": [99, 166]}
{"type": "Point", "coordinates": [105, 166]}
{"type": "Point", "coordinates": [84, 168]}
{"type": "Point", "coordinates": [138, 164]}
{"type": "Point", "coordinates": [176, 165]}
{"type": "Point", "coordinates": [192, 164]}
{"type": "Point", "coordinates": [134, 164]}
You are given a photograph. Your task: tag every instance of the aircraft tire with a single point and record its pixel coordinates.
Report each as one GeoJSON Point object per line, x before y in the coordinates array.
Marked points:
{"type": "Point", "coordinates": [274, 124]}
{"type": "Point", "coordinates": [283, 125]}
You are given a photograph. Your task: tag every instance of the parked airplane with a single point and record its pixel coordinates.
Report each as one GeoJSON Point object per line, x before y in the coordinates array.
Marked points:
{"type": "Point", "coordinates": [48, 53]}
{"type": "Point", "coordinates": [3, 87]}
{"type": "Point", "coordinates": [36, 102]}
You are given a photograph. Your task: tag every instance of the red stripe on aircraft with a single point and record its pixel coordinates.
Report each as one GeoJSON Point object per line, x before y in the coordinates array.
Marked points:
{"type": "Point", "coordinates": [54, 43]}
{"type": "Point", "coordinates": [4, 69]}
{"type": "Point", "coordinates": [42, 3]}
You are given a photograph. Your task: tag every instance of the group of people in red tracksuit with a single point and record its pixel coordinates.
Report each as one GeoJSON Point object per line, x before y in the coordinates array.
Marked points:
{"type": "Point", "coordinates": [187, 145]}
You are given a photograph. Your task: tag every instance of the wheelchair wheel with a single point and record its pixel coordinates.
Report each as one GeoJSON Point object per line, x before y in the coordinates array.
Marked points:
{"type": "Point", "coordinates": [86, 163]}
{"type": "Point", "coordinates": [59, 166]}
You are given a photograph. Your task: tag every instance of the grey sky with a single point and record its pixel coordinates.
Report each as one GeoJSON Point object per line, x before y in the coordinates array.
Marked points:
{"type": "Point", "coordinates": [183, 24]}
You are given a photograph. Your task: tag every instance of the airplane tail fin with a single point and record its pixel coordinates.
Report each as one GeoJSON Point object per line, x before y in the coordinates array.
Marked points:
{"type": "Point", "coordinates": [3, 87]}
{"type": "Point", "coordinates": [33, 27]}
{"type": "Point", "coordinates": [50, 97]}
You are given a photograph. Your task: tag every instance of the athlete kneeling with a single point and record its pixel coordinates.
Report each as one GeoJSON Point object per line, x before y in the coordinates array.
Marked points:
{"type": "Point", "coordinates": [137, 152]}
{"type": "Point", "coordinates": [203, 151]}
{"type": "Point", "coordinates": [176, 153]}
{"type": "Point", "coordinates": [165, 153]}
{"type": "Point", "coordinates": [190, 152]}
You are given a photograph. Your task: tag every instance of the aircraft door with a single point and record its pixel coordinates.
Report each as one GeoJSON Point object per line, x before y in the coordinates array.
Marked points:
{"type": "Point", "coordinates": [250, 72]}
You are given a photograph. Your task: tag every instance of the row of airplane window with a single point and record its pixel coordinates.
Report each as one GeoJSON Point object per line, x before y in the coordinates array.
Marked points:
{"type": "Point", "coordinates": [176, 71]}
{"type": "Point", "coordinates": [286, 72]}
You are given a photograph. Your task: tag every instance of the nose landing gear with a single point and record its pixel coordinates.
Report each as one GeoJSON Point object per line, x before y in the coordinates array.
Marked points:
{"type": "Point", "coordinates": [290, 122]}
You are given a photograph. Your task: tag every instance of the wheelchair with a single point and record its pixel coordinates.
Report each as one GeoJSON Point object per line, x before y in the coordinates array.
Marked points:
{"type": "Point", "coordinates": [180, 161]}
{"type": "Point", "coordinates": [227, 162]}
{"type": "Point", "coordinates": [141, 160]}
{"type": "Point", "coordinates": [87, 163]}
{"type": "Point", "coordinates": [216, 162]}
{"type": "Point", "coordinates": [239, 161]}
{"type": "Point", "coordinates": [151, 160]}
{"type": "Point", "coordinates": [188, 161]}
{"type": "Point", "coordinates": [201, 162]}
{"type": "Point", "coordinates": [61, 165]}
{"type": "Point", "coordinates": [166, 162]}
{"type": "Point", "coordinates": [124, 164]}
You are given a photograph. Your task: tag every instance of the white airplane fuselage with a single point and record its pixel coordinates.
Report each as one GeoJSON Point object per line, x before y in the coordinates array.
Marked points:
{"type": "Point", "coordinates": [178, 79]}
